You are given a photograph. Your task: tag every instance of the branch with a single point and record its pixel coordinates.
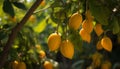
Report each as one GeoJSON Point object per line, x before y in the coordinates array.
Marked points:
{"type": "Point", "coordinates": [14, 32]}
{"type": "Point", "coordinates": [37, 11]}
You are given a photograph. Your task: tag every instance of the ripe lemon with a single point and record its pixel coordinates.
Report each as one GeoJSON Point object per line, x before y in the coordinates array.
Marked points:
{"type": "Point", "coordinates": [87, 25]}
{"type": "Point", "coordinates": [43, 3]}
{"type": "Point", "coordinates": [99, 46]}
{"type": "Point", "coordinates": [21, 65]}
{"type": "Point", "coordinates": [106, 43]}
{"type": "Point", "coordinates": [96, 57]}
{"type": "Point", "coordinates": [75, 21]}
{"type": "Point", "coordinates": [42, 54]}
{"type": "Point", "coordinates": [85, 36]}
{"type": "Point", "coordinates": [98, 29]}
{"type": "Point", "coordinates": [67, 49]}
{"type": "Point", "coordinates": [38, 47]}
{"type": "Point", "coordinates": [106, 65]}
{"type": "Point", "coordinates": [54, 41]}
{"type": "Point", "coordinates": [48, 65]}
{"type": "Point", "coordinates": [32, 18]}
{"type": "Point", "coordinates": [15, 64]}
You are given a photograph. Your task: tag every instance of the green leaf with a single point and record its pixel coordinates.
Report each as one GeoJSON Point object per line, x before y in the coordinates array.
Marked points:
{"type": "Point", "coordinates": [76, 40]}
{"type": "Point", "coordinates": [40, 27]}
{"type": "Point", "coordinates": [99, 11]}
{"type": "Point", "coordinates": [1, 2]}
{"type": "Point", "coordinates": [8, 8]}
{"type": "Point", "coordinates": [20, 5]}
{"type": "Point", "coordinates": [2, 35]}
{"type": "Point", "coordinates": [116, 26]}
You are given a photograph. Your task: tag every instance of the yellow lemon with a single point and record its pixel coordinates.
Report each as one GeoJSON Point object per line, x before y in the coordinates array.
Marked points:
{"type": "Point", "coordinates": [54, 41]}
{"type": "Point", "coordinates": [106, 65]}
{"type": "Point", "coordinates": [85, 36]}
{"type": "Point", "coordinates": [106, 43]}
{"type": "Point", "coordinates": [99, 46]}
{"type": "Point", "coordinates": [75, 21]}
{"type": "Point", "coordinates": [21, 65]}
{"type": "Point", "coordinates": [67, 49]}
{"type": "Point", "coordinates": [98, 29]}
{"type": "Point", "coordinates": [87, 25]}
{"type": "Point", "coordinates": [42, 54]}
{"type": "Point", "coordinates": [32, 18]}
{"type": "Point", "coordinates": [15, 64]}
{"type": "Point", "coordinates": [48, 65]}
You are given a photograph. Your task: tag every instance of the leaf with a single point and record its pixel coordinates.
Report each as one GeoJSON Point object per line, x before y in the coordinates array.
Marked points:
{"type": "Point", "coordinates": [20, 5]}
{"type": "Point", "coordinates": [76, 40]}
{"type": "Point", "coordinates": [8, 8]}
{"type": "Point", "coordinates": [2, 34]}
{"type": "Point", "coordinates": [78, 64]}
{"type": "Point", "coordinates": [116, 26]}
{"type": "Point", "coordinates": [99, 11]}
{"type": "Point", "coordinates": [1, 2]}
{"type": "Point", "coordinates": [40, 27]}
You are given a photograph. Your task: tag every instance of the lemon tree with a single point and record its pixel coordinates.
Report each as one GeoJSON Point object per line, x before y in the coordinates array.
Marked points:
{"type": "Point", "coordinates": [59, 34]}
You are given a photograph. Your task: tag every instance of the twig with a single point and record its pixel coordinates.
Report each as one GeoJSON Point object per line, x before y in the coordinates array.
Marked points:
{"type": "Point", "coordinates": [14, 32]}
{"type": "Point", "coordinates": [41, 9]}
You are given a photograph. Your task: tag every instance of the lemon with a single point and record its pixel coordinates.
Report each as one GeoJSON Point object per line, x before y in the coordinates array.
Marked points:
{"type": "Point", "coordinates": [67, 49]}
{"type": "Point", "coordinates": [54, 41]}
{"type": "Point", "coordinates": [47, 65]}
{"type": "Point", "coordinates": [98, 29]}
{"type": "Point", "coordinates": [21, 65]}
{"type": "Point", "coordinates": [106, 43]}
{"type": "Point", "coordinates": [85, 36]}
{"type": "Point", "coordinates": [75, 21]}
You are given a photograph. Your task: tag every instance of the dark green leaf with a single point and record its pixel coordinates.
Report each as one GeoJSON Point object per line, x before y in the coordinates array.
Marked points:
{"type": "Point", "coordinates": [76, 40]}
{"type": "Point", "coordinates": [20, 5]}
{"type": "Point", "coordinates": [116, 28]}
{"type": "Point", "coordinates": [2, 35]}
{"type": "Point", "coordinates": [8, 8]}
{"type": "Point", "coordinates": [99, 11]}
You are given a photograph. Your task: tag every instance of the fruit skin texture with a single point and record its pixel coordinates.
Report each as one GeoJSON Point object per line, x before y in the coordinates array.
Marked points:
{"type": "Point", "coordinates": [106, 65]}
{"type": "Point", "coordinates": [47, 65]}
{"type": "Point", "coordinates": [96, 57]}
{"type": "Point", "coordinates": [21, 65]}
{"type": "Point", "coordinates": [87, 25]}
{"type": "Point", "coordinates": [99, 46]}
{"type": "Point", "coordinates": [98, 29]}
{"type": "Point", "coordinates": [67, 49]}
{"type": "Point", "coordinates": [15, 64]}
{"type": "Point", "coordinates": [85, 36]}
{"type": "Point", "coordinates": [54, 41]}
{"type": "Point", "coordinates": [32, 18]}
{"type": "Point", "coordinates": [106, 43]}
{"type": "Point", "coordinates": [42, 54]}
{"type": "Point", "coordinates": [75, 21]}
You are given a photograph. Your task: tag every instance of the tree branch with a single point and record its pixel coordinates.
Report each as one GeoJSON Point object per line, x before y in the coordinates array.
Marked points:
{"type": "Point", "coordinates": [14, 32]}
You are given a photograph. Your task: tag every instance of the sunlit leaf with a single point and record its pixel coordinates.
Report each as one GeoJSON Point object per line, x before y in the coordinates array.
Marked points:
{"type": "Point", "coordinates": [40, 27]}
{"type": "Point", "coordinates": [15, 46]}
{"type": "Point", "coordinates": [52, 23]}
